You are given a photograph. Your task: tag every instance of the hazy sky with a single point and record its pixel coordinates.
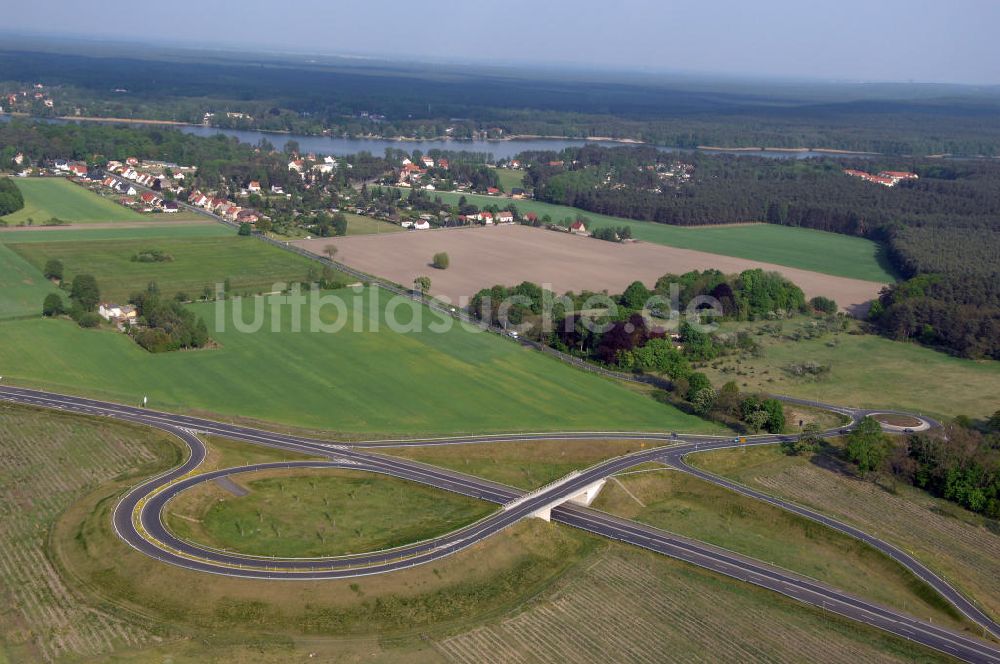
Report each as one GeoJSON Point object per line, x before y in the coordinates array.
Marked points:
{"type": "Point", "coordinates": [921, 40]}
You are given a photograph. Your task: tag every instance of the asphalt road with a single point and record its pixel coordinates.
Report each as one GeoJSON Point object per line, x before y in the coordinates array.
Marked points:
{"type": "Point", "coordinates": [137, 518]}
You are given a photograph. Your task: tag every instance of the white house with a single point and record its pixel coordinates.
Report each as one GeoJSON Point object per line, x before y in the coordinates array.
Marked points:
{"type": "Point", "coordinates": [406, 223]}
{"type": "Point", "coordinates": [422, 225]}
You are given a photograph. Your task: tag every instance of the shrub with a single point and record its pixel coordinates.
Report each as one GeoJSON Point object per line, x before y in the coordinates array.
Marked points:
{"type": "Point", "coordinates": [441, 261]}
{"type": "Point", "coordinates": [53, 305]}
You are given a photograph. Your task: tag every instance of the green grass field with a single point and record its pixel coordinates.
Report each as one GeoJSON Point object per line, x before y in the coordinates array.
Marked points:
{"type": "Point", "coordinates": [313, 513]}
{"type": "Point", "coordinates": [360, 225]}
{"type": "Point", "coordinates": [361, 382]}
{"type": "Point", "coordinates": [865, 371]}
{"type": "Point", "coordinates": [22, 286]}
{"type": "Point", "coordinates": [128, 232]}
{"type": "Point", "coordinates": [509, 179]}
{"type": "Point", "coordinates": [828, 253]}
{"type": "Point", "coordinates": [198, 261]}
{"type": "Point", "coordinates": [45, 198]}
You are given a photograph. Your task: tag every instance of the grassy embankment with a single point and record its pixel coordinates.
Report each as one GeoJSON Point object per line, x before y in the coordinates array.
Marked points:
{"type": "Point", "coordinates": [961, 546]}
{"type": "Point", "coordinates": [807, 249]}
{"type": "Point", "coordinates": [691, 507]}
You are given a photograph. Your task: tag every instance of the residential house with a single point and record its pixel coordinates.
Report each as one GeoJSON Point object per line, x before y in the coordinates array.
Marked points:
{"type": "Point", "coordinates": [428, 162]}
{"type": "Point", "coordinates": [254, 187]}
{"type": "Point", "coordinates": [486, 217]}
{"type": "Point", "coordinates": [505, 217]}
{"type": "Point", "coordinates": [492, 191]}
{"type": "Point", "coordinates": [247, 217]}
{"type": "Point", "coordinates": [443, 164]}
{"type": "Point", "coordinates": [297, 165]}
{"type": "Point", "coordinates": [517, 192]}
{"type": "Point", "coordinates": [406, 223]}
{"type": "Point", "coordinates": [531, 218]}
{"type": "Point", "coordinates": [150, 198]}
{"type": "Point", "coordinates": [19, 158]}
{"type": "Point", "coordinates": [170, 206]}
{"type": "Point", "coordinates": [79, 170]}
{"type": "Point", "coordinates": [118, 314]}
{"type": "Point", "coordinates": [578, 227]}
{"type": "Point", "coordinates": [421, 225]}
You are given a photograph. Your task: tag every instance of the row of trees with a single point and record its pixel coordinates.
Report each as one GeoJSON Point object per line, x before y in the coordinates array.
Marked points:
{"type": "Point", "coordinates": [959, 463]}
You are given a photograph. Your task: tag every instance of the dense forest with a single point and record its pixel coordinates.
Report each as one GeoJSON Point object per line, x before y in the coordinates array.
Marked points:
{"type": "Point", "coordinates": [11, 199]}
{"type": "Point", "coordinates": [941, 231]}
{"type": "Point", "coordinates": [391, 100]}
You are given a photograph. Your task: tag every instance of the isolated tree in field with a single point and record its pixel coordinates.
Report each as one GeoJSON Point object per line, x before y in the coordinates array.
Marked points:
{"type": "Point", "coordinates": [53, 305]}
{"type": "Point", "coordinates": [85, 292]}
{"type": "Point", "coordinates": [330, 250]}
{"type": "Point", "coordinates": [868, 446]}
{"type": "Point", "coordinates": [53, 269]}
{"type": "Point", "coordinates": [422, 284]}
{"type": "Point", "coordinates": [245, 229]}
{"type": "Point", "coordinates": [441, 260]}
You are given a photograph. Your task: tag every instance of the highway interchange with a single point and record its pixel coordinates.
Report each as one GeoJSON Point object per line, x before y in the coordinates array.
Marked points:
{"type": "Point", "coordinates": [138, 516]}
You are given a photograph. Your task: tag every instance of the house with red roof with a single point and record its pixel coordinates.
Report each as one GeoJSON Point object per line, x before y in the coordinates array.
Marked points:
{"type": "Point", "coordinates": [578, 227]}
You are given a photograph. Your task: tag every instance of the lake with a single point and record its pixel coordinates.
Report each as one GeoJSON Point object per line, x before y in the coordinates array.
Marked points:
{"type": "Point", "coordinates": [336, 146]}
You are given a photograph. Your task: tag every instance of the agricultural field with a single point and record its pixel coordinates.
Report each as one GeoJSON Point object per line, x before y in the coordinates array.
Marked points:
{"type": "Point", "coordinates": [197, 260]}
{"type": "Point", "coordinates": [407, 379]}
{"type": "Point", "coordinates": [22, 286]}
{"type": "Point", "coordinates": [628, 606]}
{"type": "Point", "coordinates": [314, 513]}
{"type": "Point", "coordinates": [802, 248]}
{"type": "Point", "coordinates": [483, 257]}
{"type": "Point", "coordinates": [691, 507]}
{"type": "Point", "coordinates": [56, 197]}
{"type": "Point", "coordinates": [47, 460]}
{"type": "Point", "coordinates": [864, 370]}
{"type": "Point", "coordinates": [961, 546]}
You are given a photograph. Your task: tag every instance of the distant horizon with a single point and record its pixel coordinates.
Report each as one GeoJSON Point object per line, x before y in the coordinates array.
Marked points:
{"type": "Point", "coordinates": [237, 48]}
{"type": "Point", "coordinates": [895, 41]}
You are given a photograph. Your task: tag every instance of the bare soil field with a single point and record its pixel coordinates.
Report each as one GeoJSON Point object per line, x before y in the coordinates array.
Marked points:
{"type": "Point", "coordinates": [483, 257]}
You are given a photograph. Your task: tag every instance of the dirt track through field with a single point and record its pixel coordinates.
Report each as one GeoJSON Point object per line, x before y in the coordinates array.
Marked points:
{"type": "Point", "coordinates": [483, 257]}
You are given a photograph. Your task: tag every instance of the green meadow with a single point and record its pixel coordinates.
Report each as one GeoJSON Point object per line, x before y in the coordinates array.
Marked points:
{"type": "Point", "coordinates": [48, 197]}
{"type": "Point", "coordinates": [22, 286]}
{"type": "Point", "coordinates": [804, 248]}
{"type": "Point", "coordinates": [198, 259]}
{"type": "Point", "coordinates": [364, 382]}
